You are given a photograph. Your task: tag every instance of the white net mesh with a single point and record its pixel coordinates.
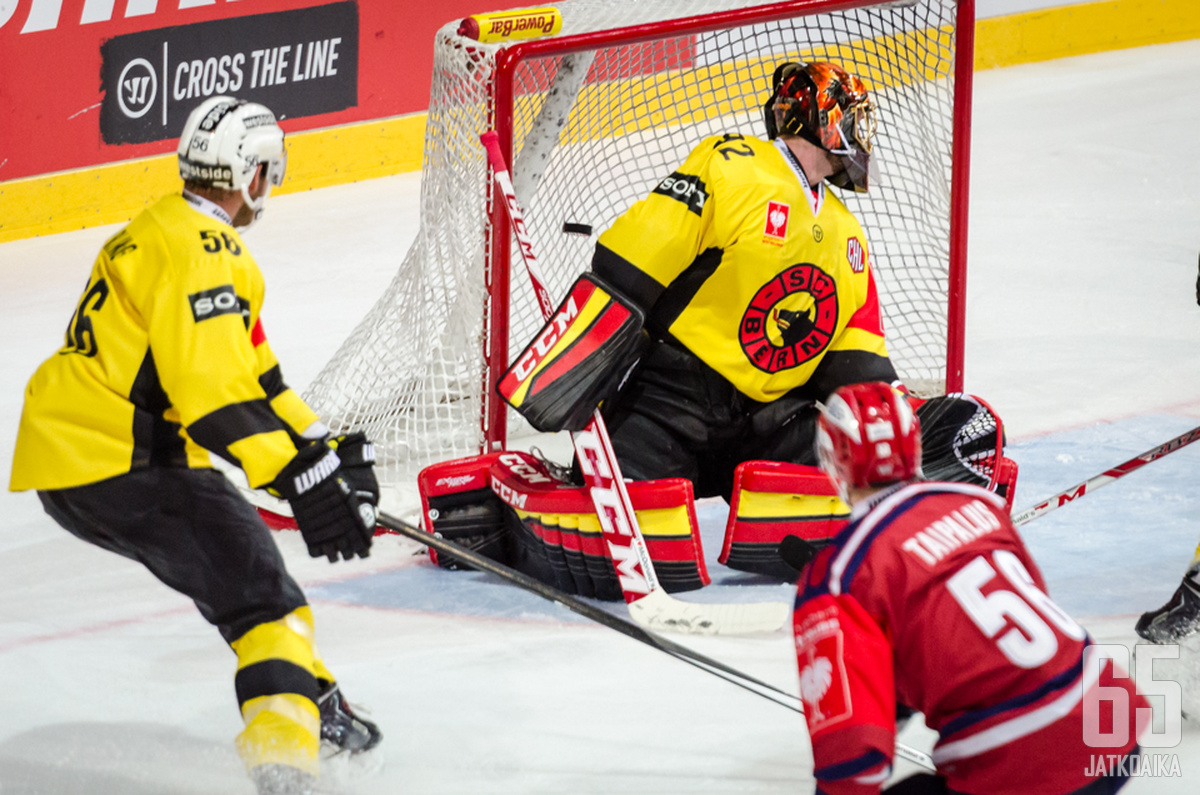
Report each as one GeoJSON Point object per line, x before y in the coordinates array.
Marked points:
{"type": "Point", "coordinates": [592, 133]}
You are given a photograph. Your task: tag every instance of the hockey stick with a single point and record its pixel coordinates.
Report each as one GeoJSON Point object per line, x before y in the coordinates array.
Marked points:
{"type": "Point", "coordinates": [396, 526]}
{"type": "Point", "coordinates": [1105, 477]}
{"type": "Point", "coordinates": [715, 667]}
{"type": "Point", "coordinates": [648, 603]}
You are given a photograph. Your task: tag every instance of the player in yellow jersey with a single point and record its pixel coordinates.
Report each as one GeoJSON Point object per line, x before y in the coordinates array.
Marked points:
{"type": "Point", "coordinates": [166, 360]}
{"type": "Point", "coordinates": [757, 286]}
{"type": "Point", "coordinates": [727, 304]}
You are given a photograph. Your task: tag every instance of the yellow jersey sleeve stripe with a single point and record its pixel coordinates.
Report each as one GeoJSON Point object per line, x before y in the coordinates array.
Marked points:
{"type": "Point", "coordinates": [263, 456]}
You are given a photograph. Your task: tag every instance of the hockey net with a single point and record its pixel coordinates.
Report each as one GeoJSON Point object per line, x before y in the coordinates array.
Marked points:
{"type": "Point", "coordinates": [591, 119]}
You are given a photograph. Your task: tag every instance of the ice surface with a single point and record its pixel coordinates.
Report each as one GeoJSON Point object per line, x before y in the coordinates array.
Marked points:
{"type": "Point", "coordinates": [1082, 332]}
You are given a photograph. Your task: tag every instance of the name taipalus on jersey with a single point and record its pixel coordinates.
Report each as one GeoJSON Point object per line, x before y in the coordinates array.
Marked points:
{"type": "Point", "coordinates": [955, 529]}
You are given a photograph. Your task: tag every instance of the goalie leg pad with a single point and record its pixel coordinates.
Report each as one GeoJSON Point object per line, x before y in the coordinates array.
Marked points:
{"type": "Point", "coordinates": [458, 504]}
{"type": "Point", "coordinates": [771, 500]}
{"type": "Point", "coordinates": [577, 360]}
{"type": "Point", "coordinates": [557, 535]}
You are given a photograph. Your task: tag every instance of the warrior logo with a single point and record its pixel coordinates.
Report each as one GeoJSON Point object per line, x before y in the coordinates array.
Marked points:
{"type": "Point", "coordinates": [791, 319]}
{"type": "Point", "coordinates": [136, 88]}
{"type": "Point", "coordinates": [777, 220]}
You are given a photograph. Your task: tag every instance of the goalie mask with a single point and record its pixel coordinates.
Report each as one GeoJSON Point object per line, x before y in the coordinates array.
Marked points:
{"type": "Point", "coordinates": [829, 107]}
{"type": "Point", "coordinates": [226, 141]}
{"type": "Point", "coordinates": [868, 435]}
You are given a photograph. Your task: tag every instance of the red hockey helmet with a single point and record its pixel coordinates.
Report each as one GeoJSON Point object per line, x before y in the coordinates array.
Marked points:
{"type": "Point", "coordinates": [868, 435]}
{"type": "Point", "coordinates": [829, 107]}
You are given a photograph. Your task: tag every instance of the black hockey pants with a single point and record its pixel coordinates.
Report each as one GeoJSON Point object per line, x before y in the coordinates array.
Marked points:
{"type": "Point", "coordinates": [679, 418]}
{"type": "Point", "coordinates": [193, 531]}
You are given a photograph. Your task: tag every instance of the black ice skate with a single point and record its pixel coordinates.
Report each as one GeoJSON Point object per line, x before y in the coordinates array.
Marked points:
{"type": "Point", "coordinates": [1177, 619]}
{"type": "Point", "coordinates": [341, 727]}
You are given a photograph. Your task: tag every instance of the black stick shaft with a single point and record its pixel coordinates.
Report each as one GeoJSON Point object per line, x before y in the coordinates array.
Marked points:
{"type": "Point", "coordinates": [575, 605]}
{"type": "Point", "coordinates": [586, 610]}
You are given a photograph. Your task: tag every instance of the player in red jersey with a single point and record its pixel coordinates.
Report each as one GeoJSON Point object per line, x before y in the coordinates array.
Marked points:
{"type": "Point", "coordinates": [929, 600]}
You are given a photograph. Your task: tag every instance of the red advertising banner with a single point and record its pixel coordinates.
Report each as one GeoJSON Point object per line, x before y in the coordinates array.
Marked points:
{"type": "Point", "coordinates": [86, 82]}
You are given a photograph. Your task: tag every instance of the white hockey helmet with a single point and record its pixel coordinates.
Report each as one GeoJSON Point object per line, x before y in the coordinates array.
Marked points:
{"type": "Point", "coordinates": [225, 141]}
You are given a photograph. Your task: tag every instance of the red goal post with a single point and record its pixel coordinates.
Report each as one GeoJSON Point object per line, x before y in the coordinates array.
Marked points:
{"type": "Point", "coordinates": [591, 119]}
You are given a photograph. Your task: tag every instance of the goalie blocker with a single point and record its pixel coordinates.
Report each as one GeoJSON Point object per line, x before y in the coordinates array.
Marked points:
{"type": "Point", "coordinates": [510, 508]}
{"type": "Point", "coordinates": [577, 360]}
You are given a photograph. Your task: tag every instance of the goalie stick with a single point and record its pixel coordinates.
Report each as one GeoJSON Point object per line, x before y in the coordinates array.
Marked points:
{"type": "Point", "coordinates": [576, 605]}
{"type": "Point", "coordinates": [1104, 478]}
{"type": "Point", "coordinates": [648, 603]}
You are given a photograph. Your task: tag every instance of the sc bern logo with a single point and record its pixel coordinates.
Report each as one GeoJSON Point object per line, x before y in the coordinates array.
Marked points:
{"type": "Point", "coordinates": [791, 319]}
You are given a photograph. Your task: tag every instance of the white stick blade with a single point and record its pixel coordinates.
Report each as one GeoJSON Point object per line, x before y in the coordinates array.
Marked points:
{"type": "Point", "coordinates": [660, 612]}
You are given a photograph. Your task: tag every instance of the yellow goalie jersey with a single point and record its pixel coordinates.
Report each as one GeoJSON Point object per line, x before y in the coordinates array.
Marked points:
{"type": "Point", "coordinates": [165, 358]}
{"type": "Point", "coordinates": [765, 280]}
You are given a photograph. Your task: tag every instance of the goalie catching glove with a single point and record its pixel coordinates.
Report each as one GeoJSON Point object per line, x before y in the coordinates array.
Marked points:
{"type": "Point", "coordinates": [962, 441]}
{"type": "Point", "coordinates": [329, 515]}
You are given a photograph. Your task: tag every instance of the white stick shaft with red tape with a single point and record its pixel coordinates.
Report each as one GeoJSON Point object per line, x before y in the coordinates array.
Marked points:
{"type": "Point", "coordinates": [648, 603]}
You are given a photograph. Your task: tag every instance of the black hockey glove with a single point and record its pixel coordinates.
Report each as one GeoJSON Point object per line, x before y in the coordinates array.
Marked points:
{"type": "Point", "coordinates": [323, 503]}
{"type": "Point", "coordinates": [358, 465]}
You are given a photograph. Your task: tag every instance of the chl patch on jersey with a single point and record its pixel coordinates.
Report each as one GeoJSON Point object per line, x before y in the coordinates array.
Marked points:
{"type": "Point", "coordinates": [686, 188]}
{"type": "Point", "coordinates": [218, 301]}
{"type": "Point", "coordinates": [856, 255]}
{"type": "Point", "coordinates": [791, 319]}
{"type": "Point", "coordinates": [777, 220]}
